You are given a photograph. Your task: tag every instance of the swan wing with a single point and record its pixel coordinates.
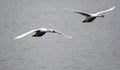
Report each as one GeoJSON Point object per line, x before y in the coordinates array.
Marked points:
{"type": "Point", "coordinates": [82, 13]}
{"type": "Point", "coordinates": [25, 34]}
{"type": "Point", "coordinates": [105, 10]}
{"type": "Point", "coordinates": [58, 32]}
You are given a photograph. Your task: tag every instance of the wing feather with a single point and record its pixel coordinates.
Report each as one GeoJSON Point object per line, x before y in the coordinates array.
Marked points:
{"type": "Point", "coordinates": [25, 34]}
{"type": "Point", "coordinates": [82, 13]}
{"type": "Point", "coordinates": [63, 34]}
{"type": "Point", "coordinates": [105, 10]}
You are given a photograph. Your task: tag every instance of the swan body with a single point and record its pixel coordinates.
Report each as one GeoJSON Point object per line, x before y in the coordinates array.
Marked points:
{"type": "Point", "coordinates": [91, 17]}
{"type": "Point", "coordinates": [40, 32]}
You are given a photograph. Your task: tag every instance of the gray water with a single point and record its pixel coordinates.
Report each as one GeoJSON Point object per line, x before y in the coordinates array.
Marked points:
{"type": "Point", "coordinates": [94, 46]}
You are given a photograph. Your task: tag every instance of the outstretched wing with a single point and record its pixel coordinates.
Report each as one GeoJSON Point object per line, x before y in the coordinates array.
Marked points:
{"type": "Point", "coordinates": [82, 13]}
{"type": "Point", "coordinates": [25, 34]}
{"type": "Point", "coordinates": [63, 34]}
{"type": "Point", "coordinates": [105, 10]}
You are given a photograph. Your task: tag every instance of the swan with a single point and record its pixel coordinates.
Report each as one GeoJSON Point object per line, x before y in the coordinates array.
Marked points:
{"type": "Point", "coordinates": [40, 32]}
{"type": "Point", "coordinates": [91, 17]}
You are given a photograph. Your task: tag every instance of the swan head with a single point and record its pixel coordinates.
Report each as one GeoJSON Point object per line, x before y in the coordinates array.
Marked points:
{"type": "Point", "coordinates": [51, 30]}
{"type": "Point", "coordinates": [102, 16]}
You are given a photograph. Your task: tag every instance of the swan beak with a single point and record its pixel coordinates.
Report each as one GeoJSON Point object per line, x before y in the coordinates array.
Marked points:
{"type": "Point", "coordinates": [54, 31]}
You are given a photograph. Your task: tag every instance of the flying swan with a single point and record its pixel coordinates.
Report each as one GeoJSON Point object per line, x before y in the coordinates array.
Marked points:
{"type": "Point", "coordinates": [40, 32]}
{"type": "Point", "coordinates": [91, 17]}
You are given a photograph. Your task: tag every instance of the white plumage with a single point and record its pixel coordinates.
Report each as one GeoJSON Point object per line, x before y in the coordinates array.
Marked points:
{"type": "Point", "coordinates": [91, 17]}
{"type": "Point", "coordinates": [40, 32]}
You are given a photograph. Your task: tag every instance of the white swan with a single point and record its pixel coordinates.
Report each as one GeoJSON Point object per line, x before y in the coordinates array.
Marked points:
{"type": "Point", "coordinates": [91, 17]}
{"type": "Point", "coordinates": [40, 32]}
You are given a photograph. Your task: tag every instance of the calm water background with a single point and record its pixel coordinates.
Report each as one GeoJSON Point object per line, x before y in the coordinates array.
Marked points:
{"type": "Point", "coordinates": [95, 46]}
